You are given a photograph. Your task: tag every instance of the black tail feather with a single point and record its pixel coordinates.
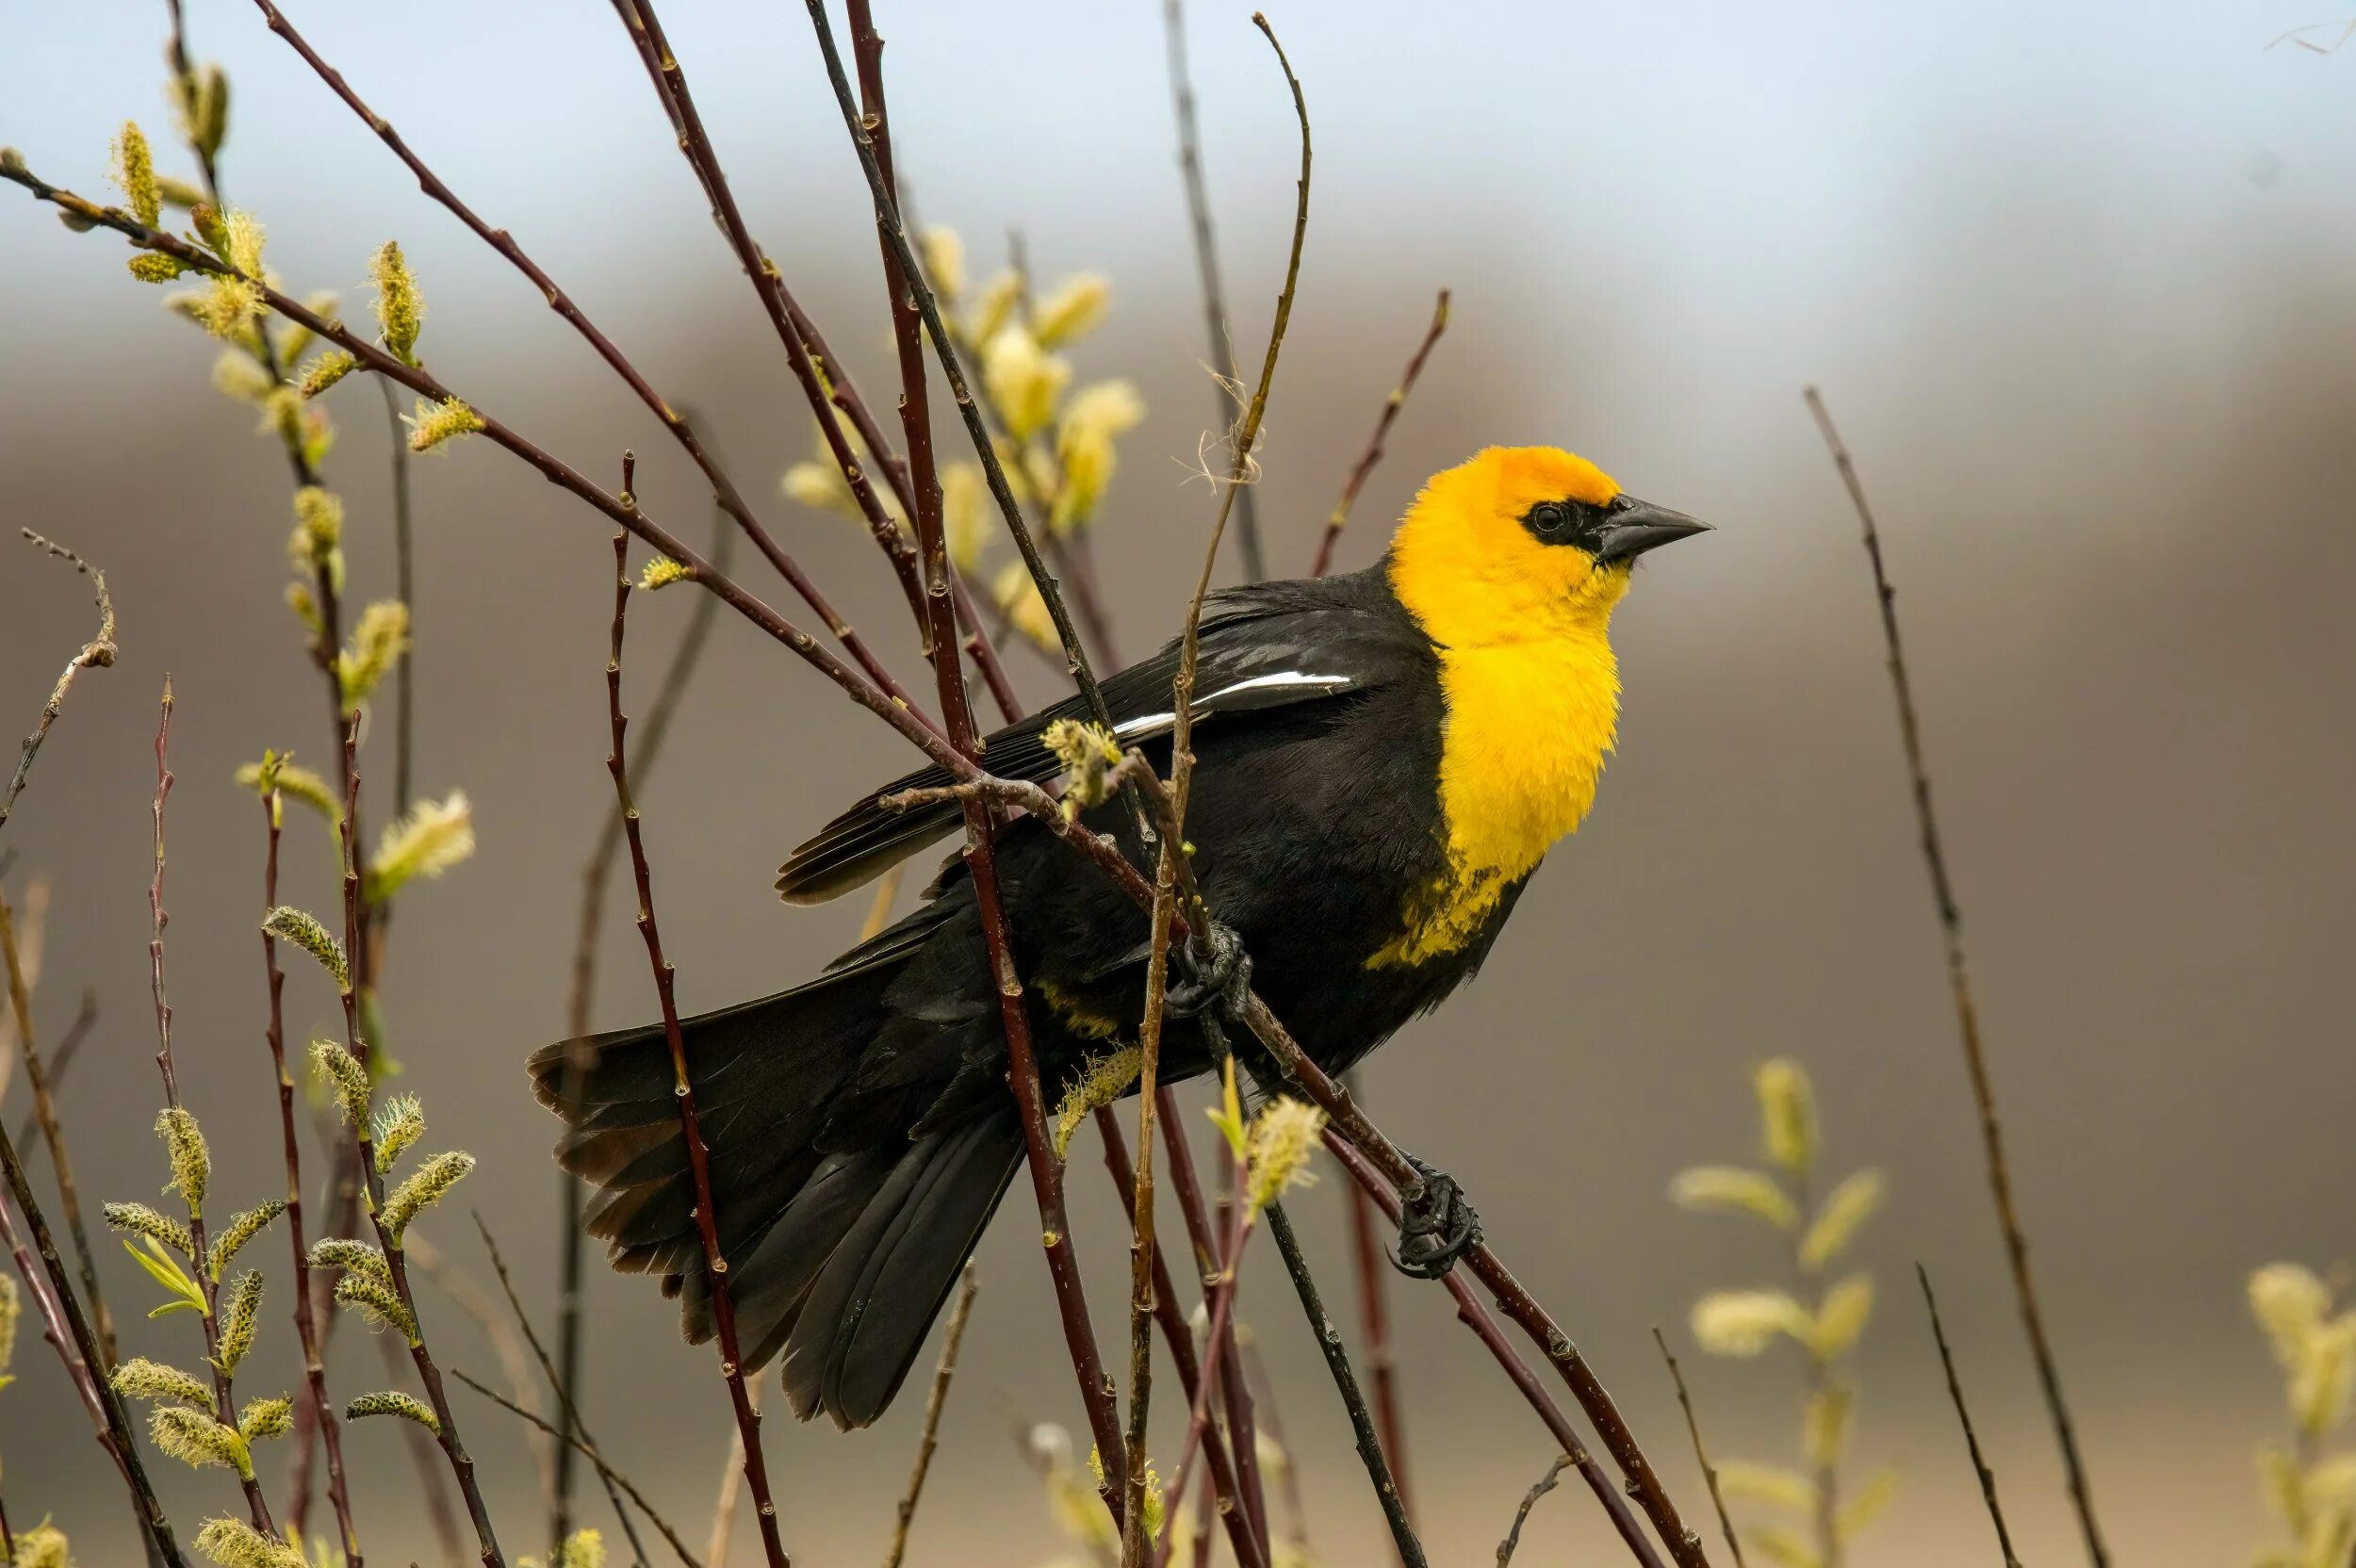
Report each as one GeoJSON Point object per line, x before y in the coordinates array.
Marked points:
{"type": "Point", "coordinates": [843, 1238]}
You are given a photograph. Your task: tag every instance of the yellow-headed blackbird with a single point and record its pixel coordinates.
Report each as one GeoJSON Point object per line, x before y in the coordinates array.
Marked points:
{"type": "Point", "coordinates": [1383, 759]}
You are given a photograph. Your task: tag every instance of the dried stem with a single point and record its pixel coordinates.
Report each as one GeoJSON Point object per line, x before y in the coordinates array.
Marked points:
{"type": "Point", "coordinates": [199, 1250]}
{"type": "Point", "coordinates": [1547, 1482]}
{"type": "Point", "coordinates": [698, 1155]}
{"type": "Point", "coordinates": [429, 1374]}
{"type": "Point", "coordinates": [1374, 454]}
{"type": "Point", "coordinates": [1963, 1415]}
{"type": "Point", "coordinates": [53, 1133]}
{"type": "Point", "coordinates": [1701, 1455]}
{"type": "Point", "coordinates": [930, 1437]}
{"type": "Point", "coordinates": [596, 1461]}
{"type": "Point", "coordinates": [910, 319]}
{"type": "Point", "coordinates": [565, 1402]}
{"type": "Point", "coordinates": [98, 650]}
{"type": "Point", "coordinates": [1967, 1013]}
{"type": "Point", "coordinates": [1221, 344]}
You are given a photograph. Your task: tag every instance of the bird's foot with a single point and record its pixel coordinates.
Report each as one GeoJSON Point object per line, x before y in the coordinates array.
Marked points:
{"type": "Point", "coordinates": [1436, 1226]}
{"type": "Point", "coordinates": [1223, 979]}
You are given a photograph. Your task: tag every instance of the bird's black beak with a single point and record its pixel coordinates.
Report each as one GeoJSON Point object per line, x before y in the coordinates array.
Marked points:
{"type": "Point", "coordinates": [1633, 527]}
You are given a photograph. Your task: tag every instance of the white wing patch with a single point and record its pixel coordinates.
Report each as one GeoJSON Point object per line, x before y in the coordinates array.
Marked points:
{"type": "Point", "coordinates": [1158, 724]}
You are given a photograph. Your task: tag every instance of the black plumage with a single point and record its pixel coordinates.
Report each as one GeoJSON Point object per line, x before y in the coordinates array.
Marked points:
{"type": "Point", "coordinates": [860, 1126]}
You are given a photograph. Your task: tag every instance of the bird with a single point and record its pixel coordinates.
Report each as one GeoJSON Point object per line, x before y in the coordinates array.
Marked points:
{"type": "Point", "coordinates": [1384, 758]}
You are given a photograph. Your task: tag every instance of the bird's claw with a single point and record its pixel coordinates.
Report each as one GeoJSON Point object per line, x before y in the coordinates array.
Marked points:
{"type": "Point", "coordinates": [1436, 1226]}
{"type": "Point", "coordinates": [1223, 979]}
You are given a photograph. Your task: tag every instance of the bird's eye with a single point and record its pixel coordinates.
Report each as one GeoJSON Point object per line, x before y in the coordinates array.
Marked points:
{"type": "Point", "coordinates": [1548, 517]}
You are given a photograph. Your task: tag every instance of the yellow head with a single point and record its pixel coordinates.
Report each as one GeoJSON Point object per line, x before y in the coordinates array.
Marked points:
{"type": "Point", "coordinates": [1522, 542]}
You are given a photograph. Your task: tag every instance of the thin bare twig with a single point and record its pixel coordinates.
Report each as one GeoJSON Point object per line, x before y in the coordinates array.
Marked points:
{"type": "Point", "coordinates": [1547, 1482]}
{"type": "Point", "coordinates": [698, 1154]}
{"type": "Point", "coordinates": [933, 1403]}
{"type": "Point", "coordinates": [1963, 1416]}
{"type": "Point", "coordinates": [565, 1402]}
{"type": "Point", "coordinates": [1215, 323]}
{"type": "Point", "coordinates": [1374, 1317]}
{"type": "Point", "coordinates": [1701, 1456]}
{"type": "Point", "coordinates": [1374, 454]}
{"type": "Point", "coordinates": [97, 651]}
{"type": "Point", "coordinates": [1967, 1012]}
{"type": "Point", "coordinates": [596, 1460]}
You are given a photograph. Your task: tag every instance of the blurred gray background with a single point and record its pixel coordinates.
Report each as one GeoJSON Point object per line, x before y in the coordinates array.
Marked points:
{"type": "Point", "coordinates": [2073, 278]}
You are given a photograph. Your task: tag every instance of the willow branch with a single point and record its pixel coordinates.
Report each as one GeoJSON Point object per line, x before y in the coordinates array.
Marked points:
{"type": "Point", "coordinates": [69, 1332]}
{"type": "Point", "coordinates": [199, 1250]}
{"type": "Point", "coordinates": [1373, 453]}
{"type": "Point", "coordinates": [305, 1310]}
{"type": "Point", "coordinates": [1967, 1012]}
{"type": "Point", "coordinates": [429, 1374]}
{"type": "Point", "coordinates": [99, 650]}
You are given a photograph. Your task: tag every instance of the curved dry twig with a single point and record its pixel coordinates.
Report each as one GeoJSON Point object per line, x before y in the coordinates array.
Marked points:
{"type": "Point", "coordinates": [99, 650]}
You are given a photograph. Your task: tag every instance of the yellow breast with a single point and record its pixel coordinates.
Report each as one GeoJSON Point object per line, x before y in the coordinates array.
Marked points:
{"type": "Point", "coordinates": [1528, 727]}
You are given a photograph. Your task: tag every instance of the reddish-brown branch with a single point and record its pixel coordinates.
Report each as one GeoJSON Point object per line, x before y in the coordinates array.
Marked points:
{"type": "Point", "coordinates": [698, 1155]}
{"type": "Point", "coordinates": [1374, 1315]}
{"type": "Point", "coordinates": [1967, 1012]}
{"type": "Point", "coordinates": [870, 129]}
{"type": "Point", "coordinates": [1198, 1409]}
{"type": "Point", "coordinates": [1373, 453]}
{"type": "Point", "coordinates": [305, 1314]}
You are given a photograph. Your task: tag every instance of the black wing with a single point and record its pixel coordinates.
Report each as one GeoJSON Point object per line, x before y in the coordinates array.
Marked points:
{"type": "Point", "coordinates": [1264, 646]}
